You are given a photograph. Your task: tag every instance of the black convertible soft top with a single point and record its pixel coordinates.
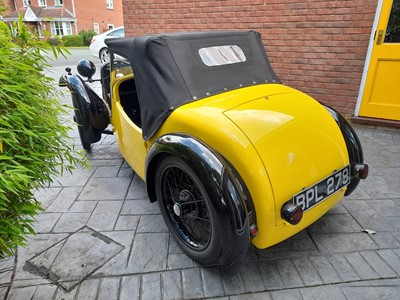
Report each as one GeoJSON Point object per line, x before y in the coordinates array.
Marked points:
{"type": "Point", "coordinates": [173, 69]}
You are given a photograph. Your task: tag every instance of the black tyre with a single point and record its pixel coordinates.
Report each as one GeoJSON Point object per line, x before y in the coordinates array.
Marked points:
{"type": "Point", "coordinates": [78, 120]}
{"type": "Point", "coordinates": [104, 55]}
{"type": "Point", "coordinates": [188, 211]}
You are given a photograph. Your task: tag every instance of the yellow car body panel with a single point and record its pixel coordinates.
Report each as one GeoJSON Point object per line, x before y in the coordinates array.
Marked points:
{"type": "Point", "coordinates": [269, 134]}
{"type": "Point", "coordinates": [128, 134]}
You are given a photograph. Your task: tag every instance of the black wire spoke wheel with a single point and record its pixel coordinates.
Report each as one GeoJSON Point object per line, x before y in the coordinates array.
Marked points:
{"type": "Point", "coordinates": [188, 211]}
{"type": "Point", "coordinates": [186, 208]}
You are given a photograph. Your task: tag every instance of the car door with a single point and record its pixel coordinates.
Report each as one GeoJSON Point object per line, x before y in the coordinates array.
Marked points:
{"type": "Point", "coordinates": [126, 115]}
{"type": "Point", "coordinates": [380, 98]}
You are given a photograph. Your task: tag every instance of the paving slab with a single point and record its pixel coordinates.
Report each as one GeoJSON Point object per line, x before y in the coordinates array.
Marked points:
{"type": "Point", "coordinates": [105, 215]}
{"type": "Point", "coordinates": [171, 285]}
{"type": "Point", "coordinates": [78, 178]}
{"type": "Point", "coordinates": [366, 216]}
{"type": "Point", "coordinates": [5, 276]}
{"type": "Point", "coordinates": [179, 261]}
{"type": "Point", "coordinates": [46, 291]}
{"type": "Point", "coordinates": [291, 294]}
{"type": "Point", "coordinates": [343, 268]}
{"type": "Point", "coordinates": [109, 288]}
{"type": "Point", "coordinates": [139, 207]}
{"type": "Point", "coordinates": [127, 222]}
{"type": "Point", "coordinates": [71, 222]}
{"type": "Point", "coordinates": [371, 293]}
{"type": "Point", "coordinates": [192, 284]}
{"type": "Point", "coordinates": [326, 293]}
{"type": "Point", "coordinates": [344, 242]}
{"type": "Point", "coordinates": [88, 289]}
{"type": "Point", "coordinates": [151, 286]}
{"type": "Point", "coordinates": [137, 189]}
{"type": "Point", "coordinates": [251, 278]}
{"type": "Point", "coordinates": [149, 253]}
{"type": "Point", "coordinates": [289, 274]}
{"type": "Point", "coordinates": [325, 269]}
{"type": "Point", "coordinates": [45, 222]}
{"type": "Point", "coordinates": [307, 271]}
{"type": "Point", "coordinates": [212, 282]}
{"type": "Point", "coordinates": [70, 261]}
{"type": "Point", "coordinates": [385, 240]}
{"type": "Point", "coordinates": [99, 188]}
{"type": "Point", "coordinates": [152, 223]}
{"type": "Point", "coordinates": [22, 293]}
{"type": "Point", "coordinates": [335, 223]}
{"type": "Point", "coordinates": [360, 265]}
{"type": "Point", "coordinates": [130, 288]}
{"type": "Point", "coordinates": [106, 171]}
{"type": "Point", "coordinates": [64, 200]}
{"type": "Point", "coordinates": [46, 196]}
{"type": "Point", "coordinates": [118, 264]}
{"type": "Point", "coordinates": [378, 264]}
{"type": "Point", "coordinates": [270, 276]}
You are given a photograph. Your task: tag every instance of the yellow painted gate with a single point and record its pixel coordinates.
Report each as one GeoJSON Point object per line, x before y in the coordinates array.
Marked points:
{"type": "Point", "coordinates": [381, 96]}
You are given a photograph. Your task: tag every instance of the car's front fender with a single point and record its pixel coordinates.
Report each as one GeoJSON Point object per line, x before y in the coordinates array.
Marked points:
{"type": "Point", "coordinates": [225, 188]}
{"type": "Point", "coordinates": [94, 111]}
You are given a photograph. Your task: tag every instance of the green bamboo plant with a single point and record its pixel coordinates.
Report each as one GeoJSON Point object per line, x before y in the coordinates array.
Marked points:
{"type": "Point", "coordinates": [34, 143]}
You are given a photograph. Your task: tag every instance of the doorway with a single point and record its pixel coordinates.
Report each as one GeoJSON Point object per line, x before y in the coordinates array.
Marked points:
{"type": "Point", "coordinates": [381, 93]}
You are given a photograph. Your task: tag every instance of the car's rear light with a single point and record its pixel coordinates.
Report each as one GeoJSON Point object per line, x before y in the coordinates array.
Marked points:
{"type": "Point", "coordinates": [92, 41]}
{"type": "Point", "coordinates": [292, 213]}
{"type": "Point", "coordinates": [361, 171]}
{"type": "Point", "coordinates": [253, 230]}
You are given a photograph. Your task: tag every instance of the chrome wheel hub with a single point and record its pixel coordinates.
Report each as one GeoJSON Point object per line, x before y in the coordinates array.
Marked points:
{"type": "Point", "coordinates": [177, 209]}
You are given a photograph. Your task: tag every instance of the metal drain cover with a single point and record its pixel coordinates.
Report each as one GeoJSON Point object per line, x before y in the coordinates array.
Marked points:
{"type": "Point", "coordinates": [71, 260]}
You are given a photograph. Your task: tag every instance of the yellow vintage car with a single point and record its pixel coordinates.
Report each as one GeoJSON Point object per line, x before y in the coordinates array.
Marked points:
{"type": "Point", "coordinates": [231, 155]}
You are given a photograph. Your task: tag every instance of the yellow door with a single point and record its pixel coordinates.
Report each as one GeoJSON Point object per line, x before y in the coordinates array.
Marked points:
{"type": "Point", "coordinates": [381, 97]}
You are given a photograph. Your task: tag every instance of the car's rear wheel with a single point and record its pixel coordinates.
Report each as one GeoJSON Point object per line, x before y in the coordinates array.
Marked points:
{"type": "Point", "coordinates": [188, 211]}
{"type": "Point", "coordinates": [104, 55]}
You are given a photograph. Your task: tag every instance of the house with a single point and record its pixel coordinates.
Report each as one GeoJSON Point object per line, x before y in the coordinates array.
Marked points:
{"type": "Point", "coordinates": [344, 53]}
{"type": "Point", "coordinates": [66, 17]}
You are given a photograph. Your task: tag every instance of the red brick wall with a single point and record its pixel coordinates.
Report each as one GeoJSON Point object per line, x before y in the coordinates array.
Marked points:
{"type": "Point", "coordinates": [317, 46]}
{"type": "Point", "coordinates": [9, 4]}
{"type": "Point", "coordinates": [95, 11]}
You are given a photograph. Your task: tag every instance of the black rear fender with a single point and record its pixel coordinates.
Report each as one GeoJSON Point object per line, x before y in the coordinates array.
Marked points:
{"type": "Point", "coordinates": [226, 190]}
{"type": "Point", "coordinates": [353, 145]}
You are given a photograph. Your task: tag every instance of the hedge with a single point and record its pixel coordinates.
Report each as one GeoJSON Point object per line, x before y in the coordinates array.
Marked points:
{"type": "Point", "coordinates": [73, 40]}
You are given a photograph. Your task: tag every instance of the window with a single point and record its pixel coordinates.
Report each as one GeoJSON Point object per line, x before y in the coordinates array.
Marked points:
{"type": "Point", "coordinates": [110, 4]}
{"type": "Point", "coordinates": [117, 33]}
{"type": "Point", "coordinates": [222, 55]}
{"type": "Point", "coordinates": [58, 2]}
{"type": "Point", "coordinates": [27, 3]}
{"type": "Point", "coordinates": [110, 26]}
{"type": "Point", "coordinates": [392, 34]}
{"type": "Point", "coordinates": [42, 3]}
{"type": "Point", "coordinates": [96, 28]}
{"type": "Point", "coordinates": [61, 28]}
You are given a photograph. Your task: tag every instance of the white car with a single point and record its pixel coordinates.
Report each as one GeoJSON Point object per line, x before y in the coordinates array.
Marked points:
{"type": "Point", "coordinates": [97, 46]}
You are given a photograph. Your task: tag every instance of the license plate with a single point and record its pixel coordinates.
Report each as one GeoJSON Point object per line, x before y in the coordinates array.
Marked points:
{"type": "Point", "coordinates": [313, 195]}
